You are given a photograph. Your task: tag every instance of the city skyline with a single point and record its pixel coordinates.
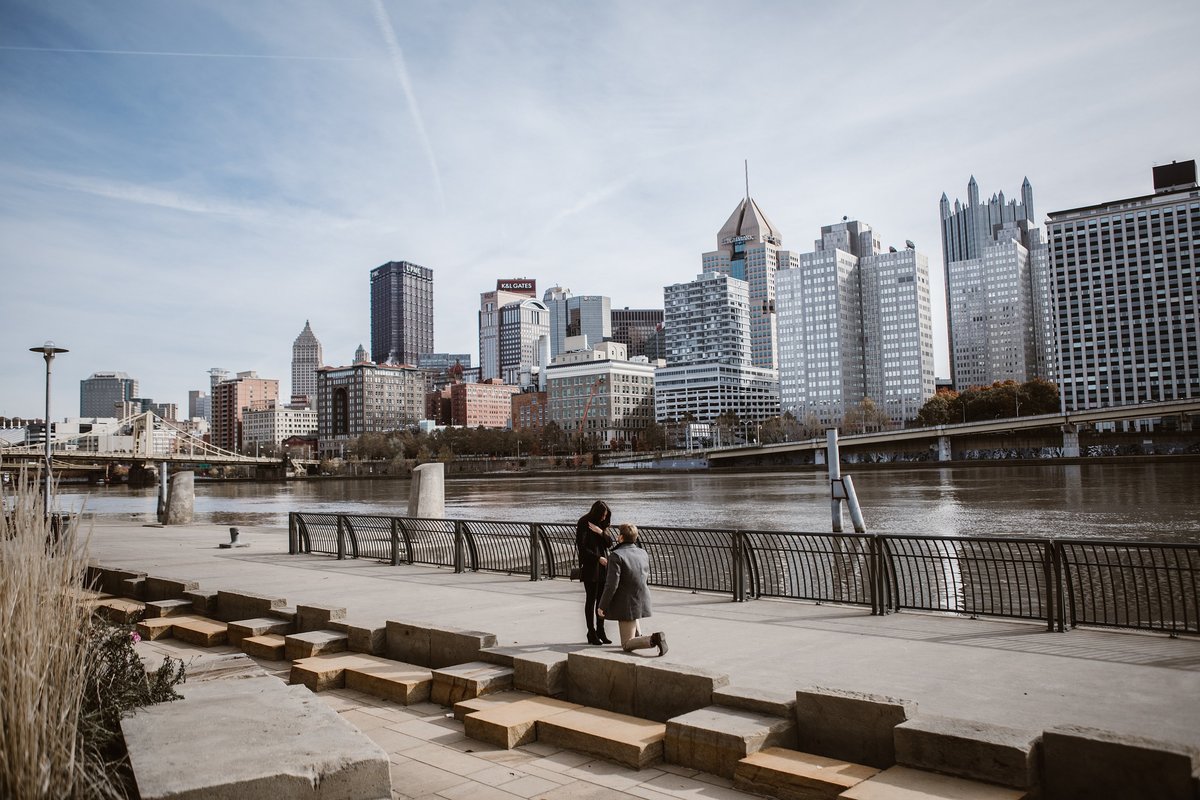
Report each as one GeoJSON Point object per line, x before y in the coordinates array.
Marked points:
{"type": "Point", "coordinates": [186, 184]}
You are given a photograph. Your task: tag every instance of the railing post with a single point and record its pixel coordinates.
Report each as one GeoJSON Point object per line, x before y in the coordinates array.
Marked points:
{"type": "Point", "coordinates": [1061, 579]}
{"type": "Point", "coordinates": [341, 534]}
{"type": "Point", "coordinates": [535, 561]}
{"type": "Point", "coordinates": [293, 534]}
{"type": "Point", "coordinates": [739, 568]}
{"type": "Point", "coordinates": [395, 542]}
{"type": "Point", "coordinates": [458, 546]}
{"type": "Point", "coordinates": [1048, 575]}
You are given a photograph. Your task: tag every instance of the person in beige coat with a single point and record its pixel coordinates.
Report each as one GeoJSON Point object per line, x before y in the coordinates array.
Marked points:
{"type": "Point", "coordinates": [626, 597]}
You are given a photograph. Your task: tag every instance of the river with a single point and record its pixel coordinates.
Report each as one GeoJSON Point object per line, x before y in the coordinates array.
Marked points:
{"type": "Point", "coordinates": [1136, 501]}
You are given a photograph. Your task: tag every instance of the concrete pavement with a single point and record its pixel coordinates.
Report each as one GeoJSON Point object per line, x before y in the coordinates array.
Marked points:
{"type": "Point", "coordinates": [1003, 672]}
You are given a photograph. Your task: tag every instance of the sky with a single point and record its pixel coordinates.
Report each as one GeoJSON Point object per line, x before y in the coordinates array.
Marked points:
{"type": "Point", "coordinates": [184, 184]}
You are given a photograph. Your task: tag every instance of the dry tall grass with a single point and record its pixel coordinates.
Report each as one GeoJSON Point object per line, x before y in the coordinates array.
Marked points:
{"type": "Point", "coordinates": [44, 629]}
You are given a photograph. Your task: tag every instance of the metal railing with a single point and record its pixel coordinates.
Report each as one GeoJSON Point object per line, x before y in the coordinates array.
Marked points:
{"type": "Point", "coordinates": [1063, 582]}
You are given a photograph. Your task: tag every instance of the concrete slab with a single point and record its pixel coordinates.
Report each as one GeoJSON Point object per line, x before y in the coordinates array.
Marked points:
{"type": "Point", "coordinates": [198, 630]}
{"type": "Point", "coordinates": [666, 690]}
{"type": "Point", "coordinates": [167, 608]}
{"type": "Point", "coordinates": [233, 605]}
{"type": "Point", "coordinates": [904, 783]}
{"type": "Point", "coordinates": [157, 587]}
{"type": "Point", "coordinates": [269, 646]}
{"type": "Point", "coordinates": [258, 626]}
{"type": "Point", "coordinates": [317, 618]}
{"type": "Point", "coordinates": [631, 741]}
{"type": "Point", "coordinates": [118, 609]}
{"type": "Point", "coordinates": [390, 680]}
{"type": "Point", "coordinates": [792, 775]}
{"type": "Point", "coordinates": [856, 726]}
{"type": "Point", "coordinates": [716, 738]}
{"type": "Point", "coordinates": [472, 704]}
{"type": "Point", "coordinates": [974, 750]}
{"type": "Point", "coordinates": [510, 725]}
{"type": "Point", "coordinates": [543, 672]}
{"type": "Point", "coordinates": [314, 643]}
{"type": "Point", "coordinates": [1085, 763]}
{"type": "Point", "coordinates": [464, 681]}
{"type": "Point", "coordinates": [758, 700]}
{"type": "Point", "coordinates": [255, 737]}
{"type": "Point", "coordinates": [326, 671]}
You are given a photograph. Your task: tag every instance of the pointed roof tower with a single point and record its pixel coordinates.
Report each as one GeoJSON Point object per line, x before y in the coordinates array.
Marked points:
{"type": "Point", "coordinates": [748, 223]}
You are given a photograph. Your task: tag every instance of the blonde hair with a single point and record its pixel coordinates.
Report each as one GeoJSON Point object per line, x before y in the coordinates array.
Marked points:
{"type": "Point", "coordinates": [629, 532]}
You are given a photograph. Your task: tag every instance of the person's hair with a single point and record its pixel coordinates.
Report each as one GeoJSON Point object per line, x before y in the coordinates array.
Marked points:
{"type": "Point", "coordinates": [599, 513]}
{"type": "Point", "coordinates": [629, 532]}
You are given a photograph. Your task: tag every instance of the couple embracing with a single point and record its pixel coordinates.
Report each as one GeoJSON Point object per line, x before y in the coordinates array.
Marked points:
{"type": "Point", "coordinates": [615, 580]}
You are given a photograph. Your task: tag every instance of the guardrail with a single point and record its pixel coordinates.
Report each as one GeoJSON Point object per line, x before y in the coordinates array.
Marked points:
{"type": "Point", "coordinates": [1063, 582]}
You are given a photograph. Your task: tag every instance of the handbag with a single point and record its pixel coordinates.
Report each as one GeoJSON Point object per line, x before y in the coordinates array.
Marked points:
{"type": "Point", "coordinates": [576, 573]}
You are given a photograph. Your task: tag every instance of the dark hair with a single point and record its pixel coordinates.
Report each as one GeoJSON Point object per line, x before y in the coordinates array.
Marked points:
{"type": "Point", "coordinates": [599, 513]}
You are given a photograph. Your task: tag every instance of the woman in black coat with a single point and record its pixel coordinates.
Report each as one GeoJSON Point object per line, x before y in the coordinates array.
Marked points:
{"type": "Point", "coordinates": [592, 541]}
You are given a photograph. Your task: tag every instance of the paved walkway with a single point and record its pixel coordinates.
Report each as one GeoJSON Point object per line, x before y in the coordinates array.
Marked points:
{"type": "Point", "coordinates": [1005, 672]}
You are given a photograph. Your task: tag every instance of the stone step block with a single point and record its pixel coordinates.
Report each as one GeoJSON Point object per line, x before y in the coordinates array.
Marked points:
{"type": "Point", "coordinates": [204, 601]}
{"type": "Point", "coordinates": [510, 725]}
{"type": "Point", "coordinates": [634, 742]}
{"type": "Point", "coordinates": [464, 681]}
{"type": "Point", "coordinates": [391, 680]}
{"type": "Point", "coordinates": [269, 646]}
{"type": "Point", "coordinates": [168, 608]}
{"type": "Point", "coordinates": [1082, 762]}
{"type": "Point", "coordinates": [716, 738]}
{"type": "Point", "coordinates": [118, 609]}
{"type": "Point", "coordinates": [464, 707]}
{"type": "Point", "coordinates": [259, 626]}
{"type": "Point", "coordinates": [364, 638]}
{"type": "Point", "coordinates": [543, 672]}
{"type": "Point", "coordinates": [233, 605]}
{"type": "Point", "coordinates": [973, 750]}
{"type": "Point", "coordinates": [905, 783]}
{"type": "Point", "coordinates": [314, 643]}
{"type": "Point", "coordinates": [134, 588]}
{"type": "Point", "coordinates": [157, 628]}
{"type": "Point", "coordinates": [792, 775]}
{"type": "Point", "coordinates": [760, 701]}
{"type": "Point", "coordinates": [854, 726]}
{"type": "Point", "coordinates": [199, 631]}
{"type": "Point", "coordinates": [325, 671]}
{"type": "Point", "coordinates": [317, 618]}
{"type": "Point", "coordinates": [159, 588]}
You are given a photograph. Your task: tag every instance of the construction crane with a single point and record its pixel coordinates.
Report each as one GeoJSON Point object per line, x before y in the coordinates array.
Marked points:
{"type": "Point", "coordinates": [586, 407]}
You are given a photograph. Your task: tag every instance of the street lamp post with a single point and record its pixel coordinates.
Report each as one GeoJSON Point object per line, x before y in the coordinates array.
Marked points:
{"type": "Point", "coordinates": [49, 350]}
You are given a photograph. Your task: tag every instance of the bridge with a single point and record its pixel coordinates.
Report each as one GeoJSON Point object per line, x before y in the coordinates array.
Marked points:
{"type": "Point", "coordinates": [940, 436]}
{"type": "Point", "coordinates": [140, 438]}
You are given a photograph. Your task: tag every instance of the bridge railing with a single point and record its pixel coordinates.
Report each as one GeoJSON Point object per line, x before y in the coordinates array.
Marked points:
{"type": "Point", "coordinates": [1062, 582]}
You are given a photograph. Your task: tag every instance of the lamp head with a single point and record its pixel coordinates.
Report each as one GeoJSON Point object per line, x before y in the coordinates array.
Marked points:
{"type": "Point", "coordinates": [49, 349]}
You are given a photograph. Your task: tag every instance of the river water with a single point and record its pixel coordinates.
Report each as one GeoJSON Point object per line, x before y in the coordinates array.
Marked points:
{"type": "Point", "coordinates": [1142, 501]}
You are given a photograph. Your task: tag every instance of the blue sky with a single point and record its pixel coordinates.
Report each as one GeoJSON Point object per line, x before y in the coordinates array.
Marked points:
{"type": "Point", "coordinates": [183, 184]}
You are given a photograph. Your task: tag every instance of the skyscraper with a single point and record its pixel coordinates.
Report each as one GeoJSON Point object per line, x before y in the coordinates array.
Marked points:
{"type": "Point", "coordinates": [749, 248]}
{"type": "Point", "coordinates": [998, 298]}
{"type": "Point", "coordinates": [490, 304]}
{"type": "Point", "coordinates": [401, 312]}
{"type": "Point", "coordinates": [100, 394]}
{"type": "Point", "coordinates": [522, 323]}
{"type": "Point", "coordinates": [229, 404]}
{"type": "Point", "coordinates": [1125, 288]}
{"type": "Point", "coordinates": [306, 360]}
{"type": "Point", "coordinates": [570, 315]}
{"type": "Point", "coordinates": [855, 322]}
{"type": "Point", "coordinates": [638, 329]}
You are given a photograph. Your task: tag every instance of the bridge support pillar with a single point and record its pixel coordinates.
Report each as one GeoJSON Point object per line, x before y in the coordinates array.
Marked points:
{"type": "Point", "coordinates": [1070, 441]}
{"type": "Point", "coordinates": [943, 449]}
{"type": "Point", "coordinates": [819, 457]}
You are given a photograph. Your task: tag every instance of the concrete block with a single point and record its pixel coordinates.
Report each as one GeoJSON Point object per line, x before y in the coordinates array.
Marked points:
{"type": "Point", "coordinates": [199, 631]}
{"type": "Point", "coordinates": [760, 701]}
{"type": "Point", "coordinates": [975, 750]}
{"type": "Point", "coordinates": [322, 672]}
{"type": "Point", "coordinates": [853, 726]}
{"type": "Point", "coordinates": [504, 656]}
{"type": "Point", "coordinates": [1084, 762]}
{"type": "Point", "coordinates": [256, 738]}
{"type": "Point", "coordinates": [362, 638]}
{"type": "Point", "coordinates": [269, 647]}
{"type": "Point", "coordinates": [636, 743]}
{"type": "Point", "coordinates": [119, 610]}
{"type": "Point", "coordinates": [791, 775]}
{"type": "Point", "coordinates": [450, 646]}
{"type": "Point", "coordinates": [158, 588]}
{"type": "Point", "coordinates": [204, 601]}
{"type": "Point", "coordinates": [285, 613]}
{"type": "Point", "coordinates": [463, 681]}
{"type": "Point", "coordinates": [181, 499]}
{"type": "Point", "coordinates": [244, 605]}
{"type": "Point", "coordinates": [408, 642]}
{"type": "Point", "coordinates": [510, 725]}
{"type": "Point", "coordinates": [391, 680]}
{"type": "Point", "coordinates": [543, 672]}
{"type": "Point", "coordinates": [167, 608]}
{"type": "Point", "coordinates": [427, 492]}
{"type": "Point", "coordinates": [316, 618]}
{"type": "Point", "coordinates": [259, 626]}
{"type": "Point", "coordinates": [314, 643]}
{"type": "Point", "coordinates": [157, 628]}
{"type": "Point", "coordinates": [472, 704]}
{"type": "Point", "coordinates": [905, 783]}
{"type": "Point", "coordinates": [111, 580]}
{"type": "Point", "coordinates": [716, 738]}
{"type": "Point", "coordinates": [223, 666]}
{"type": "Point", "coordinates": [133, 588]}
{"type": "Point", "coordinates": [668, 690]}
{"type": "Point", "coordinates": [601, 679]}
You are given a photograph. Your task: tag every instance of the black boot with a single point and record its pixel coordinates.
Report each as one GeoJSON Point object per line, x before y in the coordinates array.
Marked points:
{"type": "Point", "coordinates": [593, 638]}
{"type": "Point", "coordinates": [600, 634]}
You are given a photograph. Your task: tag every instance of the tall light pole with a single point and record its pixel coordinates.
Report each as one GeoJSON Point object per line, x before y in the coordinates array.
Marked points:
{"type": "Point", "coordinates": [49, 350]}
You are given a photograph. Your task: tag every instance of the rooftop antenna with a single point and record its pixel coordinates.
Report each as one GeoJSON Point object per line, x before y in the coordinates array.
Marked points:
{"type": "Point", "coordinates": [746, 164]}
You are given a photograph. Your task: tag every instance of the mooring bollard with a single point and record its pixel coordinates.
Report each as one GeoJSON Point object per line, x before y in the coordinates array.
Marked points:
{"type": "Point", "coordinates": [233, 540]}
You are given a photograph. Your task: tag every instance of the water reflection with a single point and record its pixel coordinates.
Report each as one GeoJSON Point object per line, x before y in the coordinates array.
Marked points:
{"type": "Point", "coordinates": [1116, 501]}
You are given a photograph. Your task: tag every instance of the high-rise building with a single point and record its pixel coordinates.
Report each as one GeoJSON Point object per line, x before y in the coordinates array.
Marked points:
{"type": "Point", "coordinates": [365, 398]}
{"type": "Point", "coordinates": [585, 315]}
{"type": "Point", "coordinates": [709, 353]}
{"type": "Point", "coordinates": [597, 392]}
{"type": "Point", "coordinates": [275, 424]}
{"type": "Point", "coordinates": [306, 360]}
{"type": "Point", "coordinates": [216, 376]}
{"type": "Point", "coordinates": [231, 400]}
{"type": "Point", "coordinates": [482, 405]}
{"type": "Point", "coordinates": [1125, 289]}
{"type": "Point", "coordinates": [199, 404]}
{"type": "Point", "coordinates": [638, 329]}
{"type": "Point", "coordinates": [401, 312]}
{"type": "Point", "coordinates": [490, 304]}
{"type": "Point", "coordinates": [749, 248]}
{"type": "Point", "coordinates": [998, 298]}
{"type": "Point", "coordinates": [522, 323]}
{"type": "Point", "coordinates": [99, 394]}
{"type": "Point", "coordinates": [855, 323]}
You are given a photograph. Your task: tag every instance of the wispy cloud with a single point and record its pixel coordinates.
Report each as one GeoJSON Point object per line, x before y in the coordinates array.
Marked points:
{"type": "Point", "coordinates": [179, 54]}
{"type": "Point", "coordinates": [397, 57]}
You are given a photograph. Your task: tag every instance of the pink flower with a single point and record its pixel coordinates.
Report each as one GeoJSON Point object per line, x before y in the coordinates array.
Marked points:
{"type": "Point", "coordinates": [135, 637]}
